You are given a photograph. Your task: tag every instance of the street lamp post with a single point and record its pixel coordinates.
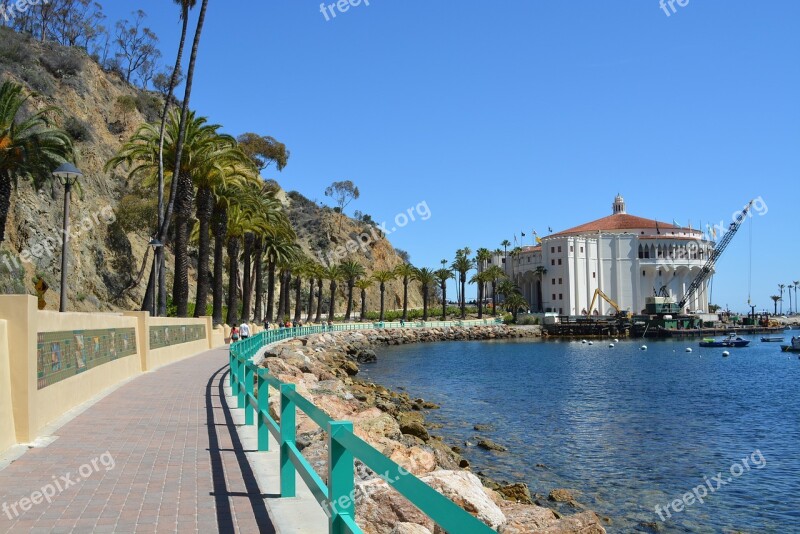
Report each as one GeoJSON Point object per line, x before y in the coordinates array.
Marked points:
{"type": "Point", "coordinates": [156, 244]}
{"type": "Point", "coordinates": [67, 174]}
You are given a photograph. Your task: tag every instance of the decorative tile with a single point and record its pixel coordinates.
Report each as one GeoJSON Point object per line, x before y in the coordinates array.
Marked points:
{"type": "Point", "coordinates": [61, 355]}
{"type": "Point", "coordinates": [166, 336]}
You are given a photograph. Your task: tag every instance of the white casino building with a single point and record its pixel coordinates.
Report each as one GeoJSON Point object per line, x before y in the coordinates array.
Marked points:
{"type": "Point", "coordinates": [629, 258]}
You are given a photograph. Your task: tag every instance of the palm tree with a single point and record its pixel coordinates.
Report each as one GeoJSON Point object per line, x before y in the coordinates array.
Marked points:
{"type": "Point", "coordinates": [442, 276]}
{"type": "Point", "coordinates": [480, 279]}
{"type": "Point", "coordinates": [775, 299]}
{"type": "Point", "coordinates": [540, 271]}
{"type": "Point", "coordinates": [790, 298]}
{"type": "Point", "coordinates": [507, 288]}
{"type": "Point", "coordinates": [493, 274]}
{"type": "Point", "coordinates": [175, 195]}
{"type": "Point", "coordinates": [462, 265]}
{"type": "Point", "coordinates": [407, 272]}
{"type": "Point", "coordinates": [796, 283]}
{"type": "Point", "coordinates": [210, 160]}
{"type": "Point", "coordinates": [186, 6]}
{"type": "Point", "coordinates": [334, 274]}
{"type": "Point", "coordinates": [514, 255]}
{"type": "Point", "coordinates": [482, 258]}
{"type": "Point", "coordinates": [781, 286]}
{"type": "Point", "coordinates": [426, 277]}
{"type": "Point", "coordinates": [321, 276]}
{"type": "Point", "coordinates": [363, 285]}
{"type": "Point", "coordinates": [505, 244]}
{"type": "Point", "coordinates": [382, 277]}
{"type": "Point", "coordinates": [351, 271]}
{"type": "Point", "coordinates": [30, 148]}
{"type": "Point", "coordinates": [300, 270]}
{"type": "Point", "coordinates": [514, 303]}
{"type": "Point", "coordinates": [278, 250]}
{"type": "Point", "coordinates": [312, 272]}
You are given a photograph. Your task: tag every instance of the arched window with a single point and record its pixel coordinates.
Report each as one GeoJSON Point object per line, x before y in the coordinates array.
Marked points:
{"type": "Point", "coordinates": [641, 252]}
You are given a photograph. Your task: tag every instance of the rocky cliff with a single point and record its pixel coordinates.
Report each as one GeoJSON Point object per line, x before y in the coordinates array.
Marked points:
{"type": "Point", "coordinates": [112, 217]}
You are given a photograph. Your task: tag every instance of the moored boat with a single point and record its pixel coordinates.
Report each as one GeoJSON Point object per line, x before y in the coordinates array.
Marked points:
{"type": "Point", "coordinates": [730, 341]}
{"type": "Point", "coordinates": [794, 347]}
{"type": "Point", "coordinates": [772, 339]}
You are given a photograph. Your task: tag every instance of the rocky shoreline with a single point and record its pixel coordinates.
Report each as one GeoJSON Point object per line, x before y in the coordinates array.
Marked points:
{"type": "Point", "coordinates": [324, 368]}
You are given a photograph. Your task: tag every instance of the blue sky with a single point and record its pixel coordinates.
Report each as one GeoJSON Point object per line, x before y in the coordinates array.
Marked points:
{"type": "Point", "coordinates": [519, 115]}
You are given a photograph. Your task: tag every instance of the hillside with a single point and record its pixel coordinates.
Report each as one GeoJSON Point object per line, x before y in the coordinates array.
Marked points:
{"type": "Point", "coordinates": [108, 264]}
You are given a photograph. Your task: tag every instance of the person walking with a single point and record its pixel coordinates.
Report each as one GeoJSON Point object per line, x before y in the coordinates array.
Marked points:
{"type": "Point", "coordinates": [245, 330]}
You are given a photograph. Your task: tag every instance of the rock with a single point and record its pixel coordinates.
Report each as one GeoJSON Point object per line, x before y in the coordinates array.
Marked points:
{"type": "Point", "coordinates": [483, 428]}
{"type": "Point", "coordinates": [380, 508]}
{"type": "Point", "coordinates": [523, 518]}
{"type": "Point", "coordinates": [489, 445]}
{"type": "Point", "coordinates": [366, 356]}
{"type": "Point", "coordinates": [518, 492]}
{"type": "Point", "coordinates": [583, 523]}
{"type": "Point", "coordinates": [409, 528]}
{"type": "Point", "coordinates": [414, 428]}
{"type": "Point", "coordinates": [351, 368]}
{"type": "Point", "coordinates": [415, 460]}
{"type": "Point", "coordinates": [561, 495]}
{"type": "Point", "coordinates": [374, 423]}
{"type": "Point", "coordinates": [465, 490]}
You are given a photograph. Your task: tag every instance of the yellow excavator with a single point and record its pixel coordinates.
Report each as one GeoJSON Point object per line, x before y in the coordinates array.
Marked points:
{"type": "Point", "coordinates": [599, 293]}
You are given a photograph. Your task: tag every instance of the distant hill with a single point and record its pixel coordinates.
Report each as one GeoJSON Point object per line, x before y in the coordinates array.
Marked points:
{"type": "Point", "coordinates": [110, 235]}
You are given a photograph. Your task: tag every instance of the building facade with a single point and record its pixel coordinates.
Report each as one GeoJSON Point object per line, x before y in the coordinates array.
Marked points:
{"type": "Point", "coordinates": [629, 258]}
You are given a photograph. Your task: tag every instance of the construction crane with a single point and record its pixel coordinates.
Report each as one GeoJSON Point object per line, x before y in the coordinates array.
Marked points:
{"type": "Point", "coordinates": [599, 293]}
{"type": "Point", "coordinates": [708, 267]}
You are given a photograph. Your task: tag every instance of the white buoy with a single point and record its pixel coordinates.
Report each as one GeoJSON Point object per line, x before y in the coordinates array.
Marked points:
{"type": "Point", "coordinates": [643, 347]}
{"type": "Point", "coordinates": [616, 340]}
{"type": "Point", "coordinates": [584, 341]}
{"type": "Point", "coordinates": [726, 354]}
{"type": "Point", "coordinates": [688, 349]}
{"type": "Point", "coordinates": [610, 345]}
{"type": "Point", "coordinates": [591, 343]}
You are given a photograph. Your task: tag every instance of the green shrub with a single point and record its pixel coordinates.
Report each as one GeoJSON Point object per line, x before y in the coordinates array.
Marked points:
{"type": "Point", "coordinates": [149, 105]}
{"type": "Point", "coordinates": [39, 81]}
{"type": "Point", "coordinates": [80, 131]}
{"type": "Point", "coordinates": [137, 213]}
{"type": "Point", "coordinates": [61, 62]}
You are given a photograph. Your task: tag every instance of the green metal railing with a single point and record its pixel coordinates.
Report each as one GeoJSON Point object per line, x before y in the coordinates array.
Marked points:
{"type": "Point", "coordinates": [251, 386]}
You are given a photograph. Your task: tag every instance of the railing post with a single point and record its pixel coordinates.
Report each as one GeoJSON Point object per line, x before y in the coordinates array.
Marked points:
{"type": "Point", "coordinates": [234, 375]}
{"type": "Point", "coordinates": [249, 373]}
{"type": "Point", "coordinates": [263, 408]}
{"type": "Point", "coordinates": [240, 372]}
{"type": "Point", "coordinates": [341, 492]}
{"type": "Point", "coordinates": [288, 417]}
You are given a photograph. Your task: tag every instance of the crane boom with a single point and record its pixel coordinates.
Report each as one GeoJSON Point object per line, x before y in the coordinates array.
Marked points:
{"type": "Point", "coordinates": [715, 254]}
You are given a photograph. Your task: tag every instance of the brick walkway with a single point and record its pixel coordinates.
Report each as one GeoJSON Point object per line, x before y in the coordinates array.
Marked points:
{"type": "Point", "coordinates": [174, 463]}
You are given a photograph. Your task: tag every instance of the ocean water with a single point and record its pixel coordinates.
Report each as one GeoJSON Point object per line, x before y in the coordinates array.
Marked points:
{"type": "Point", "coordinates": [627, 429]}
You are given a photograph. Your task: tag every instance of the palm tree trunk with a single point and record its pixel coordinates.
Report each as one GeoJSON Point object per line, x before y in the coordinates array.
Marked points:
{"type": "Point", "coordinates": [463, 296]}
{"type": "Point", "coordinates": [270, 289]}
{"type": "Point", "coordinates": [183, 209]}
{"type": "Point", "coordinates": [444, 301]}
{"type": "Point", "coordinates": [282, 297]}
{"type": "Point", "coordinates": [182, 133]}
{"type": "Point", "coordinates": [494, 298]}
{"type": "Point", "coordinates": [258, 314]}
{"type": "Point", "coordinates": [220, 227]}
{"type": "Point", "coordinates": [147, 303]}
{"type": "Point", "coordinates": [383, 291]}
{"type": "Point", "coordinates": [233, 277]}
{"type": "Point", "coordinates": [363, 304]}
{"type": "Point", "coordinates": [349, 311]}
{"type": "Point", "coordinates": [480, 300]}
{"type": "Point", "coordinates": [425, 302]}
{"type": "Point", "coordinates": [318, 317]}
{"type": "Point", "coordinates": [332, 308]}
{"type": "Point", "coordinates": [205, 210]}
{"type": "Point", "coordinates": [311, 282]}
{"type": "Point", "coordinates": [161, 135]}
{"type": "Point", "coordinates": [5, 203]}
{"type": "Point", "coordinates": [298, 305]}
{"type": "Point", "coordinates": [247, 282]}
{"type": "Point", "coordinates": [405, 298]}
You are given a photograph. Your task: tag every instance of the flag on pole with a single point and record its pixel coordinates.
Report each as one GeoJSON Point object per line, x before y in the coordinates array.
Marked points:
{"type": "Point", "coordinates": [515, 239]}
{"type": "Point", "coordinates": [523, 234]}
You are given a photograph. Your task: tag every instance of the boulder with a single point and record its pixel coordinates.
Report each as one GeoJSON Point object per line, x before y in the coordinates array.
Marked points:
{"type": "Point", "coordinates": [561, 495]}
{"type": "Point", "coordinates": [381, 509]}
{"type": "Point", "coordinates": [489, 445]}
{"type": "Point", "coordinates": [416, 429]}
{"type": "Point", "coordinates": [583, 523]}
{"type": "Point", "coordinates": [409, 528]}
{"type": "Point", "coordinates": [518, 492]}
{"type": "Point", "coordinates": [524, 518]}
{"type": "Point", "coordinates": [415, 460]}
{"type": "Point", "coordinates": [466, 490]}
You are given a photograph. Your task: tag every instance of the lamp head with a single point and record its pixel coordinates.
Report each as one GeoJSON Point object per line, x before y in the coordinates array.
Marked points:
{"type": "Point", "coordinates": [67, 173]}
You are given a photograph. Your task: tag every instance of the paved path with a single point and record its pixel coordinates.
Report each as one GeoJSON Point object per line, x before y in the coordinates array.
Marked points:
{"type": "Point", "coordinates": [159, 454]}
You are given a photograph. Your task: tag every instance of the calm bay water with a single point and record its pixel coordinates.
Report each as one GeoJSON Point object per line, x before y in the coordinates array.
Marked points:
{"type": "Point", "coordinates": [627, 429]}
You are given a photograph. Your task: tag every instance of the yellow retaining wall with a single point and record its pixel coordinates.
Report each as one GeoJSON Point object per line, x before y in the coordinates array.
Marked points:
{"type": "Point", "coordinates": [7, 432]}
{"type": "Point", "coordinates": [77, 360]}
{"type": "Point", "coordinates": [53, 401]}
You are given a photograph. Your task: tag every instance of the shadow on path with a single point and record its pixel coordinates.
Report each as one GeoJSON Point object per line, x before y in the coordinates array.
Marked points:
{"type": "Point", "coordinates": [222, 496]}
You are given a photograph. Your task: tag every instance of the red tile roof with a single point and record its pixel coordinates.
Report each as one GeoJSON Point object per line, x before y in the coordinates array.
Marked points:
{"type": "Point", "coordinates": [618, 221]}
